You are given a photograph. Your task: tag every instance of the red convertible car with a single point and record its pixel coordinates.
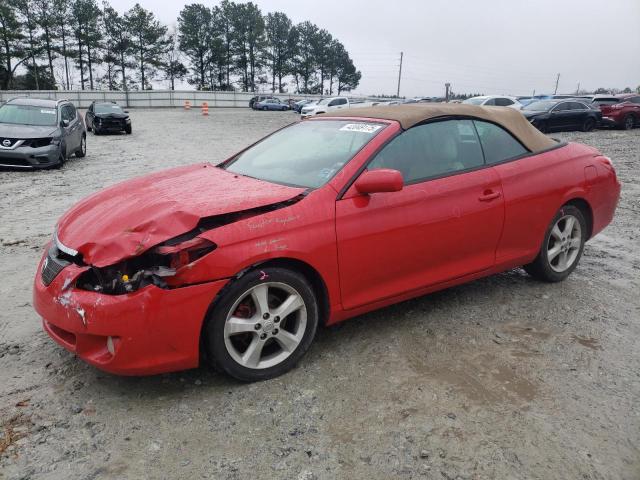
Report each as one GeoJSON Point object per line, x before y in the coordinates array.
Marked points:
{"type": "Point", "coordinates": [238, 264]}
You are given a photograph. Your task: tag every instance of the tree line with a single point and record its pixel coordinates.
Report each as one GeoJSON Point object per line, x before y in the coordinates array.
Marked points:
{"type": "Point", "coordinates": [46, 44]}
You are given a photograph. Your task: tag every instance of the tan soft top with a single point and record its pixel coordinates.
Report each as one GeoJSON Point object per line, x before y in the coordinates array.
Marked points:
{"type": "Point", "coordinates": [412, 114]}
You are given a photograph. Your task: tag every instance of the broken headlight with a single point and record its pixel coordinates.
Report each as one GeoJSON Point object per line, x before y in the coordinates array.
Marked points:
{"type": "Point", "coordinates": [150, 268]}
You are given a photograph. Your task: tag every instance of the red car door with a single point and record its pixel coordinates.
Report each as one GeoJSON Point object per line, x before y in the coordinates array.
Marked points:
{"type": "Point", "coordinates": [445, 223]}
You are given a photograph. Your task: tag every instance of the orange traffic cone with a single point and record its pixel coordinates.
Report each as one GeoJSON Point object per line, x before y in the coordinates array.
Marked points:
{"type": "Point", "coordinates": [187, 105]}
{"type": "Point", "coordinates": [205, 109]}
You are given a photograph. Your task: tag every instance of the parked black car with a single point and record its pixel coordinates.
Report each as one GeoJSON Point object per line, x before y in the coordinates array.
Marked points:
{"type": "Point", "coordinates": [38, 133]}
{"type": "Point", "coordinates": [102, 117]}
{"type": "Point", "coordinates": [562, 114]}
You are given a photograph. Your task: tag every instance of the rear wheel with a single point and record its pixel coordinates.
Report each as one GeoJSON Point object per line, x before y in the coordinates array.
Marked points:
{"type": "Point", "coordinates": [588, 125]}
{"type": "Point", "coordinates": [562, 246]}
{"type": "Point", "coordinates": [629, 122]}
{"type": "Point", "coordinates": [262, 325]}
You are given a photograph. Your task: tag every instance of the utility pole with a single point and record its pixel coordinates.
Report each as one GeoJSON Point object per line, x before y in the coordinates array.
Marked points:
{"type": "Point", "coordinates": [578, 89]}
{"type": "Point", "coordinates": [557, 80]}
{"type": "Point", "coordinates": [399, 75]}
{"type": "Point", "coordinates": [446, 89]}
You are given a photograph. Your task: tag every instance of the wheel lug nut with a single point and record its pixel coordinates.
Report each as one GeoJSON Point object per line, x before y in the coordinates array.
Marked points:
{"type": "Point", "coordinates": [265, 316]}
{"type": "Point", "coordinates": [257, 326]}
{"type": "Point", "coordinates": [263, 336]}
{"type": "Point", "coordinates": [276, 319]}
{"type": "Point", "coordinates": [275, 331]}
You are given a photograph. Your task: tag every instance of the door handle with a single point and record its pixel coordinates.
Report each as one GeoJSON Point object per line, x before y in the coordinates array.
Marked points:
{"type": "Point", "coordinates": [489, 195]}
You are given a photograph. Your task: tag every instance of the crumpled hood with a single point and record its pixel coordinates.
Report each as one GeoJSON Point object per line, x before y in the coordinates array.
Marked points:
{"type": "Point", "coordinates": [11, 130]}
{"type": "Point", "coordinates": [128, 218]}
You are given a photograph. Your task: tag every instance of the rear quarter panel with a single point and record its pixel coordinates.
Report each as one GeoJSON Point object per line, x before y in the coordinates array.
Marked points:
{"type": "Point", "coordinates": [535, 187]}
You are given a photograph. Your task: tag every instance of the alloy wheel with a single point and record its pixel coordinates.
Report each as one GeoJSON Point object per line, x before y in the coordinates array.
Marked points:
{"type": "Point", "coordinates": [564, 243]}
{"type": "Point", "coordinates": [628, 122]}
{"type": "Point", "coordinates": [265, 325]}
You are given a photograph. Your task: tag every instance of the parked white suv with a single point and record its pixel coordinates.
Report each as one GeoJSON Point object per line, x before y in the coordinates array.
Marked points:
{"type": "Point", "coordinates": [329, 104]}
{"type": "Point", "coordinates": [495, 100]}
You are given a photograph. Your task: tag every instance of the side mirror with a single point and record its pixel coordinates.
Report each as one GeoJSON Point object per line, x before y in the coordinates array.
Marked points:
{"type": "Point", "coordinates": [64, 123]}
{"type": "Point", "coordinates": [378, 181]}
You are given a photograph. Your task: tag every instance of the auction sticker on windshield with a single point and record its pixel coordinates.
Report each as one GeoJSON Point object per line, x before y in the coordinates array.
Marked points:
{"type": "Point", "coordinates": [360, 127]}
{"type": "Point", "coordinates": [51, 112]}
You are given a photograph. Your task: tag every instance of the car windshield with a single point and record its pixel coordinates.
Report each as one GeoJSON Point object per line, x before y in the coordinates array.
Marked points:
{"type": "Point", "coordinates": [541, 106]}
{"type": "Point", "coordinates": [306, 154]}
{"type": "Point", "coordinates": [28, 115]}
{"type": "Point", "coordinates": [108, 108]}
{"type": "Point", "coordinates": [475, 101]}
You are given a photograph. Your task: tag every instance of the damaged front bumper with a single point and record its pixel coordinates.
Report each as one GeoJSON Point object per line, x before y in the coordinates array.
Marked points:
{"type": "Point", "coordinates": [28, 157]}
{"type": "Point", "coordinates": [149, 331]}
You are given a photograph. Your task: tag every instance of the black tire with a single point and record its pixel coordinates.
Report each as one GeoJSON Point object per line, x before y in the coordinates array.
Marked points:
{"type": "Point", "coordinates": [588, 125]}
{"type": "Point", "coordinates": [96, 131]}
{"type": "Point", "coordinates": [62, 158]}
{"type": "Point", "coordinates": [127, 129]}
{"type": "Point", "coordinates": [82, 151]}
{"type": "Point", "coordinates": [265, 109]}
{"type": "Point", "coordinates": [88, 127]}
{"type": "Point", "coordinates": [218, 354]}
{"type": "Point", "coordinates": [542, 268]}
{"type": "Point", "coordinates": [629, 122]}
{"type": "Point", "coordinates": [542, 126]}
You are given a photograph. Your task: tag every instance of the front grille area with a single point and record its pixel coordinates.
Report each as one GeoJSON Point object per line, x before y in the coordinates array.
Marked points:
{"type": "Point", "coordinates": [52, 266]}
{"type": "Point", "coordinates": [110, 123]}
{"type": "Point", "coordinates": [11, 140]}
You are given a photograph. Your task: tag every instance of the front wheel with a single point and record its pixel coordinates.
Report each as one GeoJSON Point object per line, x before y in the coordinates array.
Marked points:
{"type": "Point", "coordinates": [262, 325]}
{"type": "Point", "coordinates": [82, 151]}
{"type": "Point", "coordinates": [265, 109]}
{"type": "Point", "coordinates": [127, 129]}
{"type": "Point", "coordinates": [562, 246]}
{"type": "Point", "coordinates": [542, 126]}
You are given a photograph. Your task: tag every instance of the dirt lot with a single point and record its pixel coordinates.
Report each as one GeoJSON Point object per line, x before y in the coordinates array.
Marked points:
{"type": "Point", "coordinates": [501, 378]}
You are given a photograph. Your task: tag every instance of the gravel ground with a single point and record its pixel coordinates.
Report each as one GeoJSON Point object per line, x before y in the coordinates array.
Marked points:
{"type": "Point", "coordinates": [503, 378]}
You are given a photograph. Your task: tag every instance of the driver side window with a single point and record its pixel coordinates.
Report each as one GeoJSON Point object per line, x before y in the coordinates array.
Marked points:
{"type": "Point", "coordinates": [68, 113]}
{"type": "Point", "coordinates": [432, 150]}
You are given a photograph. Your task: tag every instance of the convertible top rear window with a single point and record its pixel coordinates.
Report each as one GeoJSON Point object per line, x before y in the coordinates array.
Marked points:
{"type": "Point", "coordinates": [306, 154]}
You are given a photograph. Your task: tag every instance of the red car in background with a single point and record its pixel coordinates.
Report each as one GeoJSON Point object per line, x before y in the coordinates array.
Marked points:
{"type": "Point", "coordinates": [239, 263]}
{"type": "Point", "coordinates": [622, 112]}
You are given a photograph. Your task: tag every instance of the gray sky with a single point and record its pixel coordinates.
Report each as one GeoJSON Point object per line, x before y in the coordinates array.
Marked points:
{"type": "Point", "coordinates": [491, 46]}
